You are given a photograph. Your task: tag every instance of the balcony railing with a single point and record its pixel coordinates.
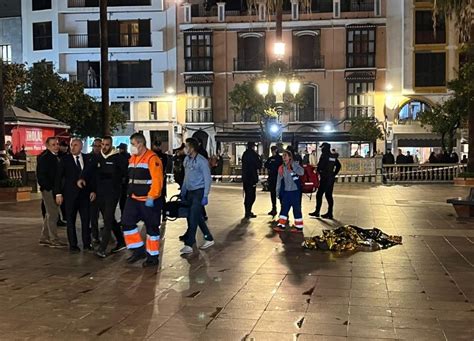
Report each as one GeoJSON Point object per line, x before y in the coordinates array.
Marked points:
{"type": "Point", "coordinates": [95, 3]}
{"type": "Point", "coordinates": [194, 64]}
{"type": "Point", "coordinates": [357, 5]}
{"type": "Point", "coordinates": [429, 37]}
{"type": "Point", "coordinates": [249, 64]}
{"type": "Point", "coordinates": [245, 117]}
{"type": "Point", "coordinates": [302, 63]}
{"type": "Point", "coordinates": [353, 112]}
{"type": "Point", "coordinates": [198, 115]}
{"type": "Point", "coordinates": [115, 40]}
{"type": "Point", "coordinates": [316, 115]}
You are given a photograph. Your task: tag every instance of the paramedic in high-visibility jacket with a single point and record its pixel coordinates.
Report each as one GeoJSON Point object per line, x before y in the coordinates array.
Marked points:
{"type": "Point", "coordinates": [143, 203]}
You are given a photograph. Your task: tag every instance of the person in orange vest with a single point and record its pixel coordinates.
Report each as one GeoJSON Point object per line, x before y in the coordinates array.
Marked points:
{"type": "Point", "coordinates": [144, 202]}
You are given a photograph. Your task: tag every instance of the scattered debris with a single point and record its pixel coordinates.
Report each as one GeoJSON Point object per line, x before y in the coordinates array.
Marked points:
{"type": "Point", "coordinates": [223, 270]}
{"type": "Point", "coordinates": [300, 322]}
{"type": "Point", "coordinates": [309, 292]}
{"type": "Point", "coordinates": [194, 294]}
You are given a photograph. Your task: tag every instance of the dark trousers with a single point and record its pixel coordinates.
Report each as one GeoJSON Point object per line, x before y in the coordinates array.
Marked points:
{"type": "Point", "coordinates": [195, 218]}
{"type": "Point", "coordinates": [79, 204]}
{"type": "Point", "coordinates": [107, 206]}
{"type": "Point", "coordinates": [134, 212]}
{"type": "Point", "coordinates": [250, 192]}
{"type": "Point", "coordinates": [291, 200]}
{"type": "Point", "coordinates": [272, 187]}
{"type": "Point", "coordinates": [94, 217]}
{"type": "Point", "coordinates": [326, 186]}
{"type": "Point", "coordinates": [123, 199]}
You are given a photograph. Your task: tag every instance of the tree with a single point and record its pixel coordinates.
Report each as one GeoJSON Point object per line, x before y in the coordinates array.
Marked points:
{"type": "Point", "coordinates": [462, 11]}
{"type": "Point", "coordinates": [365, 129]}
{"type": "Point", "coordinates": [47, 92]}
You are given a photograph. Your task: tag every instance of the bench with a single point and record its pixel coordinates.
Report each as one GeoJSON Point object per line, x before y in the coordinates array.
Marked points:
{"type": "Point", "coordinates": [464, 206]}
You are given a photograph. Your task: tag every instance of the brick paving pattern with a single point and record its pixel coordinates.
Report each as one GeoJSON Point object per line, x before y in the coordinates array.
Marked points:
{"type": "Point", "coordinates": [253, 284]}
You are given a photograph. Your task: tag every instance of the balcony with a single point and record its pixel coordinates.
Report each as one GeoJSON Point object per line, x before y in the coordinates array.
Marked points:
{"type": "Point", "coordinates": [304, 63]}
{"type": "Point", "coordinates": [249, 64]}
{"type": "Point", "coordinates": [198, 64]}
{"type": "Point", "coordinates": [357, 5]}
{"type": "Point", "coordinates": [199, 115]}
{"type": "Point", "coordinates": [95, 3]}
{"type": "Point", "coordinates": [360, 111]}
{"type": "Point", "coordinates": [115, 40]}
{"type": "Point", "coordinates": [316, 115]}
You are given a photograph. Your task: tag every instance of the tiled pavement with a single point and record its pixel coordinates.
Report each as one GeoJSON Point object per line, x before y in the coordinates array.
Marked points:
{"type": "Point", "coordinates": [253, 284]}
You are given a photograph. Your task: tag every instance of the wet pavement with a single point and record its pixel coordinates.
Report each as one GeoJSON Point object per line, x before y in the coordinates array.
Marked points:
{"type": "Point", "coordinates": [253, 284]}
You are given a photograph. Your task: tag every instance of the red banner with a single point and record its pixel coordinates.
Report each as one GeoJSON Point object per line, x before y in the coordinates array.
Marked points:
{"type": "Point", "coordinates": [32, 138]}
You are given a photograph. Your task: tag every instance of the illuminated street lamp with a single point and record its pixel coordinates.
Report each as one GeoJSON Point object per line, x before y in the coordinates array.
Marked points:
{"type": "Point", "coordinates": [279, 50]}
{"type": "Point", "coordinates": [263, 86]}
{"type": "Point", "coordinates": [295, 86]}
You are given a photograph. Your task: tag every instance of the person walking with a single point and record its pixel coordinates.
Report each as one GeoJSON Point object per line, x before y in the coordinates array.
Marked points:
{"type": "Point", "coordinates": [251, 163]}
{"type": "Point", "coordinates": [288, 188]}
{"type": "Point", "coordinates": [109, 171]}
{"type": "Point", "coordinates": [195, 191]}
{"type": "Point", "coordinates": [156, 147]}
{"type": "Point", "coordinates": [46, 171]}
{"type": "Point", "coordinates": [272, 164]}
{"type": "Point", "coordinates": [178, 165]}
{"type": "Point", "coordinates": [123, 152]}
{"type": "Point", "coordinates": [328, 167]}
{"type": "Point", "coordinates": [144, 202]}
{"type": "Point", "coordinates": [94, 208]}
{"type": "Point", "coordinates": [71, 169]}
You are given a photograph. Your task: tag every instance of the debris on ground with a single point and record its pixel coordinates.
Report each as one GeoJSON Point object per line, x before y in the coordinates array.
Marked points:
{"type": "Point", "coordinates": [350, 237]}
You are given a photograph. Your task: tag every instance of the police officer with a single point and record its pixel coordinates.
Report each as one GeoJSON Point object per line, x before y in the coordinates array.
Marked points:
{"type": "Point", "coordinates": [328, 167]}
{"type": "Point", "coordinates": [251, 163]}
{"type": "Point", "coordinates": [144, 202]}
{"type": "Point", "coordinates": [272, 164]}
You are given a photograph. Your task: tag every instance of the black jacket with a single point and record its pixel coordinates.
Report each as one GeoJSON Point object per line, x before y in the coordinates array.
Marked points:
{"type": "Point", "coordinates": [328, 165]}
{"type": "Point", "coordinates": [388, 159]}
{"type": "Point", "coordinates": [68, 175]}
{"type": "Point", "coordinates": [272, 164]}
{"type": "Point", "coordinates": [401, 159]}
{"type": "Point", "coordinates": [251, 163]}
{"type": "Point", "coordinates": [46, 170]}
{"type": "Point", "coordinates": [109, 174]}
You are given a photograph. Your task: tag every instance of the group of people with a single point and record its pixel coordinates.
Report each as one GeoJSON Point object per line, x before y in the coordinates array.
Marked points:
{"type": "Point", "coordinates": [284, 172]}
{"type": "Point", "coordinates": [109, 177]}
{"type": "Point", "coordinates": [404, 159]}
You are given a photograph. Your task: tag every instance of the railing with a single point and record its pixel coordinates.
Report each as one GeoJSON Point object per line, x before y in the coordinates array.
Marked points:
{"type": "Point", "coordinates": [357, 5]}
{"type": "Point", "coordinates": [316, 115]}
{"type": "Point", "coordinates": [249, 64]}
{"type": "Point", "coordinates": [353, 112]}
{"type": "Point", "coordinates": [194, 64]}
{"type": "Point", "coordinates": [429, 37]}
{"type": "Point", "coordinates": [17, 173]}
{"type": "Point", "coordinates": [95, 3]}
{"type": "Point", "coordinates": [198, 116]}
{"type": "Point", "coordinates": [115, 40]}
{"type": "Point", "coordinates": [302, 63]}
{"type": "Point", "coordinates": [439, 172]}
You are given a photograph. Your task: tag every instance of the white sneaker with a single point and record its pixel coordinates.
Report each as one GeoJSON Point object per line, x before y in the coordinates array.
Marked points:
{"type": "Point", "coordinates": [186, 250]}
{"type": "Point", "coordinates": [206, 244]}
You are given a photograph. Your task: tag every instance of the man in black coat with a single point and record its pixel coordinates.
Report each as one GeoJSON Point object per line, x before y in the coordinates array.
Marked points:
{"type": "Point", "coordinates": [94, 210]}
{"type": "Point", "coordinates": [272, 164]}
{"type": "Point", "coordinates": [122, 149]}
{"type": "Point", "coordinates": [46, 171]}
{"type": "Point", "coordinates": [251, 163]}
{"type": "Point", "coordinates": [71, 169]}
{"type": "Point", "coordinates": [156, 147]}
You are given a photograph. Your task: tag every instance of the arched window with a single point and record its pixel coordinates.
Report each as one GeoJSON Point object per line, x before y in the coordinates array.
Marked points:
{"type": "Point", "coordinates": [411, 110]}
{"type": "Point", "coordinates": [308, 110]}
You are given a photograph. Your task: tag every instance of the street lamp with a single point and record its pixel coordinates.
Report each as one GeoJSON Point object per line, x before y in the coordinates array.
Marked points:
{"type": "Point", "coordinates": [263, 86]}
{"type": "Point", "coordinates": [279, 50]}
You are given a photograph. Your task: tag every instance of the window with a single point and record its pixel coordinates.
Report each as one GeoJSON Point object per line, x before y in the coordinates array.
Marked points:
{"type": "Point", "coordinates": [153, 113]}
{"type": "Point", "coordinates": [321, 6]}
{"type": "Point", "coordinates": [198, 103]}
{"type": "Point", "coordinates": [307, 51]}
{"type": "Point", "coordinates": [360, 99]}
{"type": "Point", "coordinates": [424, 33]}
{"type": "Point", "coordinates": [198, 51]}
{"type": "Point", "coordinates": [361, 47]}
{"type": "Point", "coordinates": [124, 108]}
{"type": "Point", "coordinates": [124, 33]}
{"type": "Point", "coordinates": [411, 110]}
{"type": "Point", "coordinates": [42, 36]}
{"type": "Point", "coordinates": [95, 3]}
{"type": "Point", "coordinates": [130, 74]}
{"type": "Point", "coordinates": [89, 74]}
{"type": "Point", "coordinates": [6, 53]}
{"type": "Point", "coordinates": [430, 69]}
{"type": "Point", "coordinates": [251, 52]}
{"type": "Point", "coordinates": [308, 110]}
{"type": "Point", "coordinates": [357, 5]}
{"type": "Point", "coordinates": [39, 5]}
{"type": "Point", "coordinates": [44, 64]}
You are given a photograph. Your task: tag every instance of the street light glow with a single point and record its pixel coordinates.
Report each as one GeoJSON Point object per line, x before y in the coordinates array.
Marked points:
{"type": "Point", "coordinates": [170, 90]}
{"type": "Point", "coordinates": [294, 86]}
{"type": "Point", "coordinates": [262, 87]}
{"type": "Point", "coordinates": [274, 128]}
{"type": "Point", "coordinates": [388, 87]}
{"type": "Point", "coordinates": [279, 86]}
{"type": "Point", "coordinates": [279, 49]}
{"type": "Point", "coordinates": [327, 128]}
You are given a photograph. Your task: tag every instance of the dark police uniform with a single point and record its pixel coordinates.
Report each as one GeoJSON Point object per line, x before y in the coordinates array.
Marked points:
{"type": "Point", "coordinates": [328, 167]}
{"type": "Point", "coordinates": [272, 164]}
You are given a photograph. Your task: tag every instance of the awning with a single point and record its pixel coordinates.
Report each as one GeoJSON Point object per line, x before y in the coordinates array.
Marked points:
{"type": "Point", "coordinates": [239, 136]}
{"type": "Point", "coordinates": [360, 75]}
{"type": "Point", "coordinates": [410, 143]}
{"type": "Point", "coordinates": [315, 136]}
{"type": "Point", "coordinates": [199, 79]}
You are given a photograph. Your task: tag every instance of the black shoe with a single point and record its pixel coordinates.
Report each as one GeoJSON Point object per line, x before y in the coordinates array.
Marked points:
{"type": "Point", "coordinates": [250, 216]}
{"type": "Point", "coordinates": [181, 238]}
{"type": "Point", "coordinates": [327, 216]}
{"type": "Point", "coordinates": [74, 249]}
{"type": "Point", "coordinates": [314, 214]}
{"type": "Point", "coordinates": [150, 263]}
{"type": "Point", "coordinates": [61, 223]}
{"type": "Point", "coordinates": [272, 213]}
{"type": "Point", "coordinates": [101, 254]}
{"type": "Point", "coordinates": [118, 248]}
{"type": "Point", "coordinates": [206, 218]}
{"type": "Point", "coordinates": [88, 248]}
{"type": "Point", "coordinates": [135, 258]}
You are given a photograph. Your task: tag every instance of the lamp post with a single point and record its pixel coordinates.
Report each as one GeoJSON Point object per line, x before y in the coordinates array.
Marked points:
{"type": "Point", "coordinates": [3, 152]}
{"type": "Point", "coordinates": [389, 103]}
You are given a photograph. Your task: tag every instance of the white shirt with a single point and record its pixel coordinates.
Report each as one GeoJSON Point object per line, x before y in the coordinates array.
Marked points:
{"type": "Point", "coordinates": [81, 160]}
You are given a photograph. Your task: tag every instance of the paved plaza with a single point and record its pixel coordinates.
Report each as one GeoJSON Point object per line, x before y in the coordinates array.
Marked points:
{"type": "Point", "coordinates": [254, 284]}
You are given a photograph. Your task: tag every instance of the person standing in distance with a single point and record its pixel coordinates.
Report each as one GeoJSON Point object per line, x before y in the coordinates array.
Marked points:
{"type": "Point", "coordinates": [144, 202]}
{"type": "Point", "coordinates": [272, 164]}
{"type": "Point", "coordinates": [328, 167]}
{"type": "Point", "coordinates": [251, 163]}
{"type": "Point", "coordinates": [195, 191]}
{"type": "Point", "coordinates": [94, 209]}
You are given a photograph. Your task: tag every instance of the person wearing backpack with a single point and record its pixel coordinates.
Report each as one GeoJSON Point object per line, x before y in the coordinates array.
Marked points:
{"type": "Point", "coordinates": [289, 192]}
{"type": "Point", "coordinates": [328, 167]}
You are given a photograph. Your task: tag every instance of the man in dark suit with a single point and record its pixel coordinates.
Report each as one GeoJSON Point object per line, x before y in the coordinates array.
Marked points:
{"type": "Point", "coordinates": [251, 164]}
{"type": "Point", "coordinates": [71, 169]}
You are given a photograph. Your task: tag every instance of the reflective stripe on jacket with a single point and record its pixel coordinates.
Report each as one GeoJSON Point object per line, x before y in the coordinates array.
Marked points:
{"type": "Point", "coordinates": [145, 176]}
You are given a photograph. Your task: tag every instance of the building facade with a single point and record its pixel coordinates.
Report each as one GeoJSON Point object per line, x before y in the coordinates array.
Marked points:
{"type": "Point", "coordinates": [10, 31]}
{"type": "Point", "coordinates": [337, 48]}
{"type": "Point", "coordinates": [142, 55]}
{"type": "Point", "coordinates": [421, 61]}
